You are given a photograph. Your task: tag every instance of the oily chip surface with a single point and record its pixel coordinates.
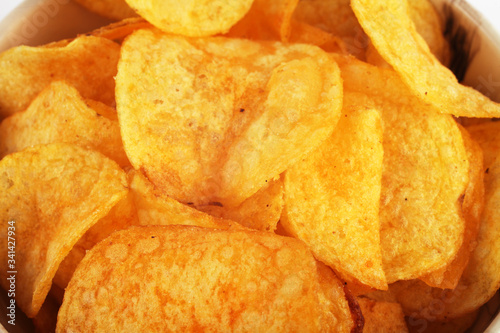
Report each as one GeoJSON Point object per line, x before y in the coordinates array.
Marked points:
{"type": "Point", "coordinates": [215, 119]}
{"type": "Point", "coordinates": [88, 63]}
{"type": "Point", "coordinates": [193, 18]}
{"type": "Point", "coordinates": [52, 194]}
{"type": "Point", "coordinates": [332, 196]}
{"type": "Point", "coordinates": [184, 278]}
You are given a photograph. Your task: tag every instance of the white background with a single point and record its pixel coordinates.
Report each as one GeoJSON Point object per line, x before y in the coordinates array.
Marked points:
{"type": "Point", "coordinates": [489, 8]}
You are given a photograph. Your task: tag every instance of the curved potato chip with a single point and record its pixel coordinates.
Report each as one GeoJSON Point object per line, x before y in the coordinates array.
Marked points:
{"type": "Point", "coordinates": [472, 207]}
{"type": "Point", "coordinates": [394, 35]}
{"type": "Point", "coordinates": [121, 216]}
{"type": "Point", "coordinates": [191, 278]}
{"type": "Point", "coordinates": [425, 174]}
{"type": "Point", "coordinates": [155, 208]}
{"type": "Point", "coordinates": [266, 20]}
{"type": "Point", "coordinates": [261, 211]}
{"type": "Point", "coordinates": [332, 196]}
{"type": "Point", "coordinates": [88, 63]}
{"type": "Point", "coordinates": [487, 135]}
{"type": "Point", "coordinates": [192, 18]}
{"type": "Point", "coordinates": [211, 120]}
{"type": "Point", "coordinates": [60, 114]}
{"type": "Point", "coordinates": [117, 31]}
{"type": "Point", "coordinates": [428, 25]}
{"type": "Point", "coordinates": [480, 280]}
{"type": "Point", "coordinates": [51, 195]}
{"type": "Point", "coordinates": [384, 317]}
{"type": "Point", "coordinates": [113, 9]}
{"type": "Point", "coordinates": [337, 18]}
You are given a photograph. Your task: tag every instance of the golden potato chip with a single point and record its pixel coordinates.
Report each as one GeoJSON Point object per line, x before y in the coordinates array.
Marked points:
{"type": "Point", "coordinates": [211, 120]}
{"type": "Point", "coordinates": [308, 34]}
{"type": "Point", "coordinates": [337, 18]}
{"type": "Point", "coordinates": [121, 216]}
{"type": "Point", "coordinates": [382, 316]}
{"type": "Point", "coordinates": [192, 18]}
{"type": "Point", "coordinates": [332, 196]}
{"type": "Point", "coordinates": [113, 9]}
{"type": "Point", "coordinates": [155, 208]}
{"type": "Point", "coordinates": [425, 174]}
{"type": "Point", "coordinates": [428, 25]}
{"type": "Point", "coordinates": [487, 135]}
{"type": "Point", "coordinates": [266, 20]}
{"type": "Point", "coordinates": [185, 278]}
{"type": "Point", "coordinates": [51, 195]}
{"type": "Point", "coordinates": [60, 114]}
{"type": "Point", "coordinates": [472, 207]}
{"type": "Point", "coordinates": [480, 280]}
{"type": "Point", "coordinates": [390, 28]}
{"type": "Point", "coordinates": [88, 63]}
{"type": "Point", "coordinates": [261, 211]}
{"type": "Point", "coordinates": [117, 31]}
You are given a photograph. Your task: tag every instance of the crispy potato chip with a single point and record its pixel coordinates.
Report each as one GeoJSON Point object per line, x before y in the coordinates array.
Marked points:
{"type": "Point", "coordinates": [113, 9]}
{"type": "Point", "coordinates": [211, 120]}
{"type": "Point", "coordinates": [266, 20]}
{"type": "Point", "coordinates": [117, 31]}
{"type": "Point", "coordinates": [191, 278]}
{"type": "Point", "coordinates": [261, 211]}
{"type": "Point", "coordinates": [155, 208]}
{"type": "Point", "coordinates": [480, 280]}
{"type": "Point", "coordinates": [51, 195]}
{"type": "Point", "coordinates": [121, 216]}
{"type": "Point", "coordinates": [88, 63]}
{"type": "Point", "coordinates": [337, 18]}
{"type": "Point", "coordinates": [308, 34]}
{"type": "Point", "coordinates": [394, 35]}
{"type": "Point", "coordinates": [382, 316]}
{"type": "Point", "coordinates": [472, 207]}
{"type": "Point", "coordinates": [192, 18]}
{"type": "Point", "coordinates": [425, 174]}
{"type": "Point", "coordinates": [487, 136]}
{"type": "Point", "coordinates": [332, 196]}
{"type": "Point", "coordinates": [428, 24]}
{"type": "Point", "coordinates": [60, 114]}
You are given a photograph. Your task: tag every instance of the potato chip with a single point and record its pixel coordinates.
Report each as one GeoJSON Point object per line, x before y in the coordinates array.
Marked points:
{"type": "Point", "coordinates": [428, 25]}
{"type": "Point", "coordinates": [117, 31]}
{"type": "Point", "coordinates": [155, 208]}
{"type": "Point", "coordinates": [332, 196]}
{"type": "Point", "coordinates": [337, 18]}
{"type": "Point", "coordinates": [308, 34]}
{"type": "Point", "coordinates": [88, 63]}
{"type": "Point", "coordinates": [382, 316]}
{"type": "Point", "coordinates": [487, 136]}
{"type": "Point", "coordinates": [60, 114]}
{"type": "Point", "coordinates": [113, 9]}
{"type": "Point", "coordinates": [261, 211]}
{"type": "Point", "coordinates": [211, 120]}
{"type": "Point", "coordinates": [425, 174]}
{"type": "Point", "coordinates": [192, 18]}
{"type": "Point", "coordinates": [472, 207]}
{"type": "Point", "coordinates": [121, 216]}
{"type": "Point", "coordinates": [480, 280]}
{"type": "Point", "coordinates": [393, 33]}
{"type": "Point", "coordinates": [51, 195]}
{"type": "Point", "coordinates": [266, 20]}
{"type": "Point", "coordinates": [184, 278]}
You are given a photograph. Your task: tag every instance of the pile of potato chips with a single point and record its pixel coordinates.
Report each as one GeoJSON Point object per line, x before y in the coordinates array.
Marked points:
{"type": "Point", "coordinates": [251, 166]}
